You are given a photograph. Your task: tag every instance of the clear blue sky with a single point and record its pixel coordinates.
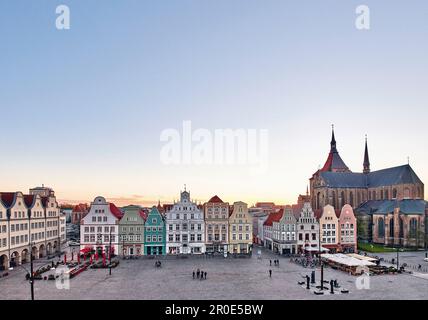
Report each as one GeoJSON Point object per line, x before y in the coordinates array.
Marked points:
{"type": "Point", "coordinates": [82, 109]}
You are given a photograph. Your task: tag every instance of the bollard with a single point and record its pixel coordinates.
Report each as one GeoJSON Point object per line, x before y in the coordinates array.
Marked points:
{"type": "Point", "coordinates": [313, 277]}
{"type": "Point", "coordinates": [331, 287]}
{"type": "Point", "coordinates": [307, 282]}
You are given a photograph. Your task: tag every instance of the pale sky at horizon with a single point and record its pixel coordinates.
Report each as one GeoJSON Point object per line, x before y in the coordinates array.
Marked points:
{"type": "Point", "coordinates": [82, 110]}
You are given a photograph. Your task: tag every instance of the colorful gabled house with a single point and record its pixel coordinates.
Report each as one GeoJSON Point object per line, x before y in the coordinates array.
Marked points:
{"type": "Point", "coordinates": [131, 231]}
{"type": "Point", "coordinates": [155, 233]}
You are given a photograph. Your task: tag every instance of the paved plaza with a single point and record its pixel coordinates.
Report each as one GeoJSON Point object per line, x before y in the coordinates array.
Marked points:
{"type": "Point", "coordinates": [231, 278]}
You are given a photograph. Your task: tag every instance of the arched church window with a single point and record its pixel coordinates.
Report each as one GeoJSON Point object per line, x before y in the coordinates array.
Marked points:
{"type": "Point", "coordinates": [394, 193]}
{"type": "Point", "coordinates": [351, 199]}
{"type": "Point", "coordinates": [391, 227]}
{"type": "Point", "coordinates": [318, 200]}
{"type": "Point", "coordinates": [413, 225]}
{"type": "Point", "coordinates": [386, 194]}
{"type": "Point", "coordinates": [406, 193]}
{"type": "Point", "coordinates": [334, 199]}
{"type": "Point", "coordinates": [380, 228]}
{"type": "Point", "coordinates": [342, 199]}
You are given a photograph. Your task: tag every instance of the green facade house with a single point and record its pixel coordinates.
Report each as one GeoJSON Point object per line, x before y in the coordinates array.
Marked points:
{"type": "Point", "coordinates": [131, 231]}
{"type": "Point", "coordinates": [155, 233]}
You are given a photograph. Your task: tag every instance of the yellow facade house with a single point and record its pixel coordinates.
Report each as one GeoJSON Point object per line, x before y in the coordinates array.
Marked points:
{"type": "Point", "coordinates": [240, 229]}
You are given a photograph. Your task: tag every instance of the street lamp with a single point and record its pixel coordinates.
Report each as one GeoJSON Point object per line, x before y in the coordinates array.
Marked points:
{"type": "Point", "coordinates": [31, 278]}
{"type": "Point", "coordinates": [109, 254]}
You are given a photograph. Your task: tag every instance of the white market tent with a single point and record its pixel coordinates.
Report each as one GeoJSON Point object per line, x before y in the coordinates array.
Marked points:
{"type": "Point", "coordinates": [347, 261]}
{"type": "Point", "coordinates": [360, 257]}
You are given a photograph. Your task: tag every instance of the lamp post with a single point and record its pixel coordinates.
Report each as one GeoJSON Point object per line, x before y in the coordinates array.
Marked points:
{"type": "Point", "coordinates": [109, 254]}
{"type": "Point", "coordinates": [398, 264]}
{"type": "Point", "coordinates": [319, 255]}
{"type": "Point", "coordinates": [31, 273]}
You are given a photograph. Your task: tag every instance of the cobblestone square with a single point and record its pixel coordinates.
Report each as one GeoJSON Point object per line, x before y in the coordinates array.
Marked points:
{"type": "Point", "coordinates": [231, 279]}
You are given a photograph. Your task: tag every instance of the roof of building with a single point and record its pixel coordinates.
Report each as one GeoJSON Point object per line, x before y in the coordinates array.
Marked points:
{"type": "Point", "coordinates": [334, 162]}
{"type": "Point", "coordinates": [386, 177]}
{"type": "Point", "coordinates": [407, 206]}
{"type": "Point", "coordinates": [215, 199]}
{"type": "Point", "coordinates": [274, 217]}
{"type": "Point", "coordinates": [29, 200]}
{"type": "Point", "coordinates": [81, 207]}
{"type": "Point", "coordinates": [115, 210]}
{"type": "Point", "coordinates": [8, 198]}
{"type": "Point", "coordinates": [143, 213]}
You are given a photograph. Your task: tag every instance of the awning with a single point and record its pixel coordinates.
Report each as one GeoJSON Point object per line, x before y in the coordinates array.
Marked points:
{"type": "Point", "coordinates": [86, 250]}
{"type": "Point", "coordinates": [316, 249]}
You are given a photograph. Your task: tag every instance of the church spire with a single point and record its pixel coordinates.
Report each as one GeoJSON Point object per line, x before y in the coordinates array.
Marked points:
{"type": "Point", "coordinates": [333, 140]}
{"type": "Point", "coordinates": [366, 164]}
{"type": "Point", "coordinates": [334, 162]}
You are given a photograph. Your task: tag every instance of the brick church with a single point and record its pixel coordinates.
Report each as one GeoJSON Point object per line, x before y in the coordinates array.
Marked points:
{"type": "Point", "coordinates": [388, 203]}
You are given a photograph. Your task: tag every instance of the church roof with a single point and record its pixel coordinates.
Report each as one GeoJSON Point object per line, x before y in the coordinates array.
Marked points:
{"type": "Point", "coordinates": [396, 175]}
{"type": "Point", "coordinates": [387, 177]}
{"type": "Point", "coordinates": [334, 162]}
{"type": "Point", "coordinates": [407, 206]}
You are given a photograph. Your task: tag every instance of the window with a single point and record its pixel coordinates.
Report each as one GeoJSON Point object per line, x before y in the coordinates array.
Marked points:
{"type": "Point", "coordinates": [171, 238]}
{"type": "Point", "coordinates": [391, 227]}
{"type": "Point", "coordinates": [199, 237]}
{"type": "Point", "coordinates": [380, 228]}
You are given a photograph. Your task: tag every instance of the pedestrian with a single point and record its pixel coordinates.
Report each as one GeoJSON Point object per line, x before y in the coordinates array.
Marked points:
{"type": "Point", "coordinates": [270, 262]}
{"type": "Point", "coordinates": [202, 275]}
{"type": "Point", "coordinates": [198, 272]}
{"type": "Point", "coordinates": [193, 274]}
{"type": "Point", "coordinates": [205, 275]}
{"type": "Point", "coordinates": [270, 273]}
{"type": "Point", "coordinates": [277, 262]}
{"type": "Point", "coordinates": [419, 267]}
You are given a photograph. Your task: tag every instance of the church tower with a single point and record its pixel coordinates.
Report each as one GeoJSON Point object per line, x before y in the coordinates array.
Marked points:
{"type": "Point", "coordinates": [366, 164]}
{"type": "Point", "coordinates": [334, 162]}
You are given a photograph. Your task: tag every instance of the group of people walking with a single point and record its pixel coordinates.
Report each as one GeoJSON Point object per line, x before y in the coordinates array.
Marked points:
{"type": "Point", "coordinates": [276, 262]}
{"type": "Point", "coordinates": [199, 274]}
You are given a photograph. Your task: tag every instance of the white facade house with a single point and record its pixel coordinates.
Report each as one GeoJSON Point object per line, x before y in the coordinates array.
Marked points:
{"type": "Point", "coordinates": [101, 222]}
{"type": "Point", "coordinates": [29, 223]}
{"type": "Point", "coordinates": [285, 233]}
{"type": "Point", "coordinates": [307, 229]}
{"type": "Point", "coordinates": [185, 227]}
